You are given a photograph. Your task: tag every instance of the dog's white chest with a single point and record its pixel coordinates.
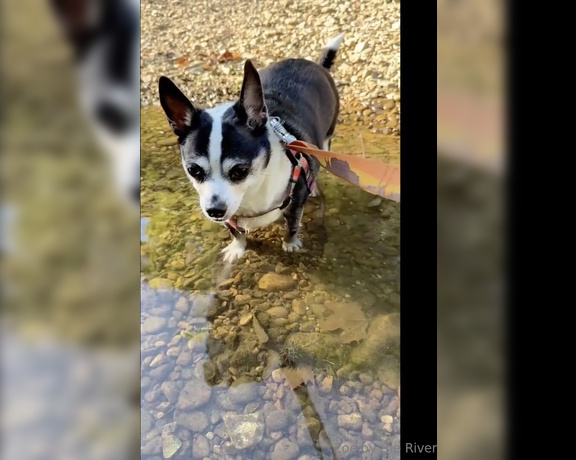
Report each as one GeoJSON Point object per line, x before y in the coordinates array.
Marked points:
{"type": "Point", "coordinates": [252, 223]}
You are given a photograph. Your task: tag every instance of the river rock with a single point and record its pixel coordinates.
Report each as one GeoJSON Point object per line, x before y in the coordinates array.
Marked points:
{"type": "Point", "coordinates": [245, 430]}
{"type": "Point", "coordinates": [194, 395]}
{"type": "Point", "coordinates": [194, 421]}
{"type": "Point", "coordinates": [350, 421]}
{"type": "Point", "coordinates": [273, 282]}
{"type": "Point", "coordinates": [201, 448]}
{"type": "Point", "coordinates": [170, 442]}
{"type": "Point", "coordinates": [285, 450]}
{"type": "Point", "coordinates": [154, 324]}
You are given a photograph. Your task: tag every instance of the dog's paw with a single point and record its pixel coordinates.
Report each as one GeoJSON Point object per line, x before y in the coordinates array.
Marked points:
{"type": "Point", "coordinates": [234, 251]}
{"type": "Point", "coordinates": [292, 246]}
{"type": "Point", "coordinates": [314, 191]}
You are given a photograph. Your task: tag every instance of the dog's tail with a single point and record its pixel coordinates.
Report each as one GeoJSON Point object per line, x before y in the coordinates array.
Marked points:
{"type": "Point", "coordinates": [329, 54]}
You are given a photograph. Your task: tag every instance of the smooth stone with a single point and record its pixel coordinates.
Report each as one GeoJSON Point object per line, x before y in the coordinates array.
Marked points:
{"type": "Point", "coordinates": [242, 394]}
{"type": "Point", "coordinates": [245, 430]}
{"type": "Point", "coordinates": [154, 324]}
{"type": "Point", "coordinates": [350, 421]}
{"type": "Point", "coordinates": [170, 442]}
{"type": "Point", "coordinates": [273, 282]}
{"type": "Point", "coordinates": [170, 390]}
{"type": "Point", "coordinates": [279, 419]}
{"type": "Point", "coordinates": [285, 450]}
{"type": "Point", "coordinates": [245, 319]}
{"type": "Point", "coordinates": [200, 448]}
{"type": "Point", "coordinates": [194, 421]}
{"type": "Point", "coordinates": [194, 395]}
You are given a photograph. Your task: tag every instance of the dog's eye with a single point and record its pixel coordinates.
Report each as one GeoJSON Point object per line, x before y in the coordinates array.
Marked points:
{"type": "Point", "coordinates": [238, 172]}
{"type": "Point", "coordinates": [112, 118]}
{"type": "Point", "coordinates": [196, 172]}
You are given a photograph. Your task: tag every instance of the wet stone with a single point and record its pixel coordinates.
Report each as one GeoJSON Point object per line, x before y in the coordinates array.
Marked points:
{"type": "Point", "coordinates": [154, 324]}
{"type": "Point", "coordinates": [173, 352]}
{"type": "Point", "coordinates": [163, 310]}
{"type": "Point", "coordinates": [152, 447]}
{"type": "Point", "coordinates": [326, 385]}
{"type": "Point", "coordinates": [245, 319]}
{"type": "Point", "coordinates": [259, 331]}
{"type": "Point", "coordinates": [145, 421]}
{"type": "Point", "coordinates": [273, 282]}
{"type": "Point", "coordinates": [350, 421]}
{"type": "Point", "coordinates": [194, 394]}
{"type": "Point", "coordinates": [392, 407]}
{"type": "Point", "coordinates": [387, 421]}
{"type": "Point", "coordinates": [285, 450]}
{"type": "Point", "coordinates": [170, 442]}
{"type": "Point", "coordinates": [279, 420]}
{"type": "Point", "coordinates": [184, 358]}
{"type": "Point", "coordinates": [299, 306]}
{"type": "Point", "coordinates": [251, 407]}
{"type": "Point", "coordinates": [200, 448]}
{"type": "Point", "coordinates": [158, 373]}
{"type": "Point", "coordinates": [170, 390]}
{"type": "Point", "coordinates": [347, 405]}
{"type": "Point", "coordinates": [278, 312]}
{"type": "Point", "coordinates": [241, 300]}
{"type": "Point", "coordinates": [369, 413]}
{"type": "Point", "coordinates": [158, 360]}
{"type": "Point", "coordinates": [145, 382]}
{"type": "Point", "coordinates": [245, 430]}
{"type": "Point", "coordinates": [367, 432]}
{"type": "Point", "coordinates": [242, 394]}
{"type": "Point", "coordinates": [194, 421]}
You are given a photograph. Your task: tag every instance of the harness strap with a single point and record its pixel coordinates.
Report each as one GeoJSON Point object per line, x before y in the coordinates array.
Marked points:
{"type": "Point", "coordinates": [299, 164]}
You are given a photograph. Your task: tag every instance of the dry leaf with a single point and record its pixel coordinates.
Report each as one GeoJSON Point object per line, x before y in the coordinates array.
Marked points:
{"type": "Point", "coordinates": [183, 61]}
{"type": "Point", "coordinates": [296, 376]}
{"type": "Point", "coordinates": [228, 56]}
{"type": "Point", "coordinates": [348, 317]}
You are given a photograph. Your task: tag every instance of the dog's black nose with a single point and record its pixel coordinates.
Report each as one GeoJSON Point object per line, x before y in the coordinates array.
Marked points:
{"type": "Point", "coordinates": [216, 213]}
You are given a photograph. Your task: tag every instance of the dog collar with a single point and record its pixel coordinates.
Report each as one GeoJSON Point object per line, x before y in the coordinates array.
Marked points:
{"type": "Point", "coordinates": [299, 164]}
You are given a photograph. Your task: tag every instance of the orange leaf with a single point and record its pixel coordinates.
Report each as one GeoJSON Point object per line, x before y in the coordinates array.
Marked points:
{"type": "Point", "coordinates": [182, 61]}
{"type": "Point", "coordinates": [228, 56]}
{"type": "Point", "coordinates": [225, 56]}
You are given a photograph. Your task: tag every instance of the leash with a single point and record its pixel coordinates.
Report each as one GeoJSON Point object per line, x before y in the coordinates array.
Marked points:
{"type": "Point", "coordinates": [373, 176]}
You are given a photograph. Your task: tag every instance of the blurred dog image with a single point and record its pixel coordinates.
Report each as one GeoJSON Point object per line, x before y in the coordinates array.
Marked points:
{"type": "Point", "coordinates": [105, 37]}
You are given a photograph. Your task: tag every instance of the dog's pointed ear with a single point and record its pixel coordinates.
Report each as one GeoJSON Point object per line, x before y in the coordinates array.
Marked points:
{"type": "Point", "coordinates": [182, 115]}
{"type": "Point", "coordinates": [79, 17]}
{"type": "Point", "coordinates": [251, 103]}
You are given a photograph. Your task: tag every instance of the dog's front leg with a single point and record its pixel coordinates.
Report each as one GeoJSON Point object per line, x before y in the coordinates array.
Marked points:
{"type": "Point", "coordinates": [293, 218]}
{"type": "Point", "coordinates": [237, 247]}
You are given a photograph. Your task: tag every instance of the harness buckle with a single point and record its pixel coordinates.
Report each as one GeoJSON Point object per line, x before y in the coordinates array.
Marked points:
{"type": "Point", "coordinates": [280, 131]}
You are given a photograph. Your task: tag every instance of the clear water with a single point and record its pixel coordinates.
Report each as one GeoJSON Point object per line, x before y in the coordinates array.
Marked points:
{"type": "Point", "coordinates": [276, 356]}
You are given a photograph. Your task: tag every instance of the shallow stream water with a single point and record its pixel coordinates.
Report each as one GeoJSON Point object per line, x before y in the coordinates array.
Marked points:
{"type": "Point", "coordinates": [276, 356]}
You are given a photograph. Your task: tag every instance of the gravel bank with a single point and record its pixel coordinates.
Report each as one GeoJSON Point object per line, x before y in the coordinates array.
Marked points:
{"type": "Point", "coordinates": [184, 40]}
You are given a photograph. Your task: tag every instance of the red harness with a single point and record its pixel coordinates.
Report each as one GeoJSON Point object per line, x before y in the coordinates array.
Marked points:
{"type": "Point", "coordinates": [299, 165]}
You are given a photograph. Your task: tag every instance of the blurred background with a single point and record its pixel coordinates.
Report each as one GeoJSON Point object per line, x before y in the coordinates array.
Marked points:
{"type": "Point", "coordinates": [70, 260]}
{"type": "Point", "coordinates": [470, 223]}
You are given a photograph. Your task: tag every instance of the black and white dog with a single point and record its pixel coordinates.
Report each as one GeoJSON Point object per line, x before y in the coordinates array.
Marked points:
{"type": "Point", "coordinates": [105, 37]}
{"type": "Point", "coordinates": [244, 175]}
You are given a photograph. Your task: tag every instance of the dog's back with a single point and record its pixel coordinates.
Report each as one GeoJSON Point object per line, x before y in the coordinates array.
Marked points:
{"type": "Point", "coordinates": [303, 94]}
